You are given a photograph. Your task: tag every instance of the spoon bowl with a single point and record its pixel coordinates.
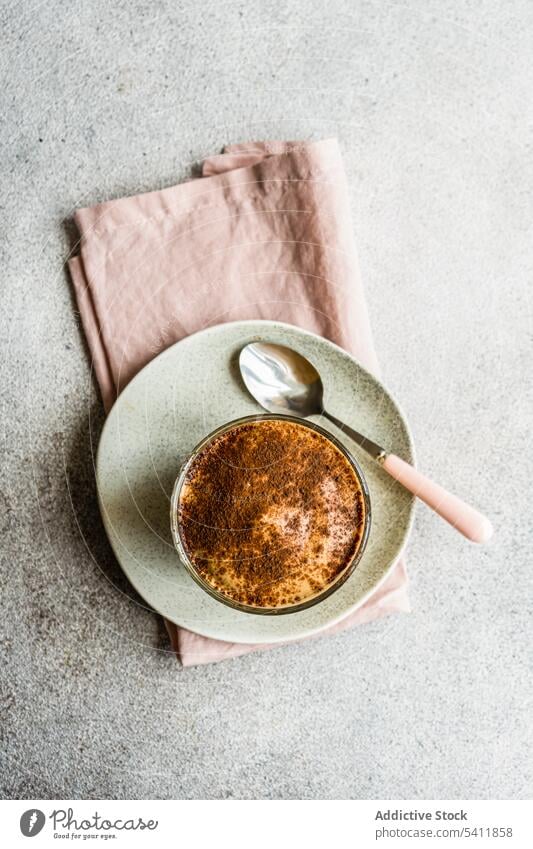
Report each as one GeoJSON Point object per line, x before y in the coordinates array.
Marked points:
{"type": "Point", "coordinates": [281, 380]}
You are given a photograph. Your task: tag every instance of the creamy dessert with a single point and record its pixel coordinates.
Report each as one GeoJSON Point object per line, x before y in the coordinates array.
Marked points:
{"type": "Point", "coordinates": [271, 513]}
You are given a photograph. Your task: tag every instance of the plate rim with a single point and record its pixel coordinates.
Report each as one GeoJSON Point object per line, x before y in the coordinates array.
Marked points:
{"type": "Point", "coordinates": [303, 633]}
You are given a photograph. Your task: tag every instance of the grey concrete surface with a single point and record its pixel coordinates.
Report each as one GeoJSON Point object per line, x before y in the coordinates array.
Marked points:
{"type": "Point", "coordinates": [429, 101]}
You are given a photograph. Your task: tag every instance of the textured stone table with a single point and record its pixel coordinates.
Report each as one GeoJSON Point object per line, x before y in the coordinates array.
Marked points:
{"type": "Point", "coordinates": [428, 102]}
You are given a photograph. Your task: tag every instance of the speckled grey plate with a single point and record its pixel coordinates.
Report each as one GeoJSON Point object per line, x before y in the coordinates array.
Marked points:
{"type": "Point", "coordinates": [180, 397]}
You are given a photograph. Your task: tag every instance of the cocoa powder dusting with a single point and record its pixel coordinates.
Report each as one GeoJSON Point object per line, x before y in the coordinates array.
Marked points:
{"type": "Point", "coordinates": [271, 513]}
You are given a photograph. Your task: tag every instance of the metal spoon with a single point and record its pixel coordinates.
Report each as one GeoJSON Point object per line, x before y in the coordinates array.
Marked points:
{"type": "Point", "coordinates": [283, 381]}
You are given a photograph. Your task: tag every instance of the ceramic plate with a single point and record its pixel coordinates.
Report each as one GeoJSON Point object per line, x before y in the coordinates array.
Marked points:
{"type": "Point", "coordinates": [182, 395]}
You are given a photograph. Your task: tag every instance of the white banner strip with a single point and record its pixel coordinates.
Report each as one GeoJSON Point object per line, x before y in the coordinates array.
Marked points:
{"type": "Point", "coordinates": [268, 824]}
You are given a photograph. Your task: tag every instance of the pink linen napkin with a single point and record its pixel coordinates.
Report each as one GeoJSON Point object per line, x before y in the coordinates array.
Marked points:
{"type": "Point", "coordinates": [264, 233]}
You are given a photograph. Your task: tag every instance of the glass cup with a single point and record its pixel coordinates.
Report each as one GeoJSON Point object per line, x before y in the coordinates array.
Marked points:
{"type": "Point", "coordinates": [219, 596]}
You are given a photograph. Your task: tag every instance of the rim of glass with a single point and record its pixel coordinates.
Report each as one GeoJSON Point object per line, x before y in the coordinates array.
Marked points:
{"type": "Point", "coordinates": [188, 563]}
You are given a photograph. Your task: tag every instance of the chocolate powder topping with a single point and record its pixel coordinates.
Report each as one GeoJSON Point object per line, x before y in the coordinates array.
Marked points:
{"type": "Point", "coordinates": [271, 513]}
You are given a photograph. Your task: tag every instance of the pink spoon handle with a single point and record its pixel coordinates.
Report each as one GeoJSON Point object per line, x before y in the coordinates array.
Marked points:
{"type": "Point", "coordinates": [469, 522]}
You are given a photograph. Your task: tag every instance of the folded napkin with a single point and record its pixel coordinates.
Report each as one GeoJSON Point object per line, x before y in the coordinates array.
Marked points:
{"type": "Point", "coordinates": [264, 233]}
